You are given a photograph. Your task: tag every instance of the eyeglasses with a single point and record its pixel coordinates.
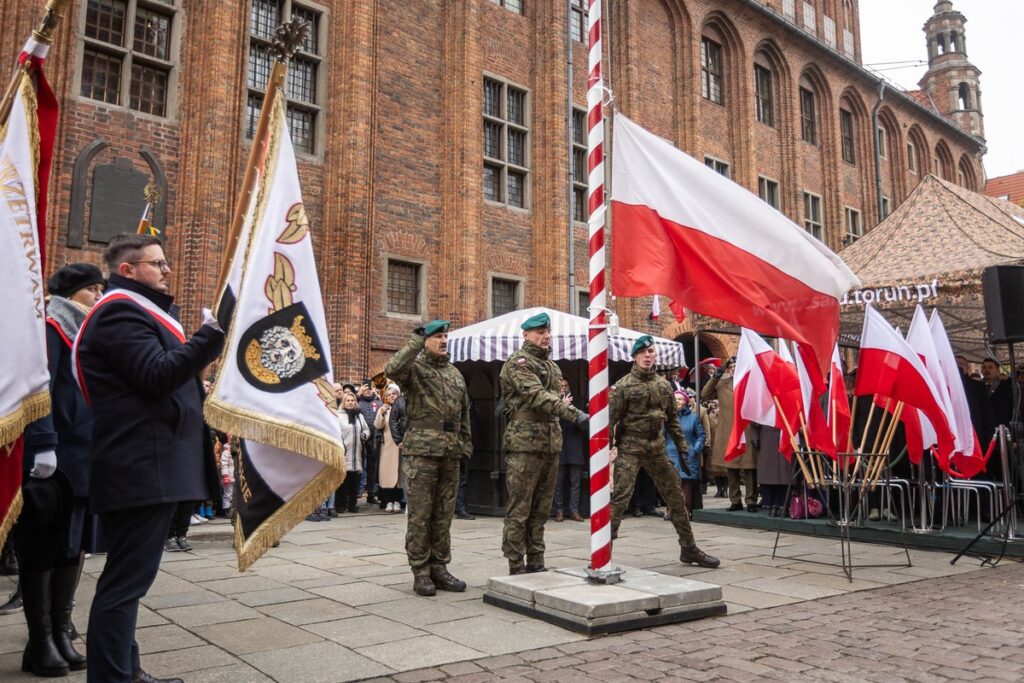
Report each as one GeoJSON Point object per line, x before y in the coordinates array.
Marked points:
{"type": "Point", "coordinates": [159, 264]}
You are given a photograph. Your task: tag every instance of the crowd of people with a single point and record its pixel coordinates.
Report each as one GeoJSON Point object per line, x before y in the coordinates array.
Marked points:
{"type": "Point", "coordinates": [125, 464]}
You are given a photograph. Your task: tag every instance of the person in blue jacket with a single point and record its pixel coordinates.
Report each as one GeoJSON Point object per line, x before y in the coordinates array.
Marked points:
{"type": "Point", "coordinates": [149, 449]}
{"type": "Point", "coordinates": [693, 431]}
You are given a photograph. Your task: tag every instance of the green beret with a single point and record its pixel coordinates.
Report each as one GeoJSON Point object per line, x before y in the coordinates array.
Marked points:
{"type": "Point", "coordinates": [537, 322]}
{"type": "Point", "coordinates": [436, 327]}
{"type": "Point", "coordinates": [641, 344]}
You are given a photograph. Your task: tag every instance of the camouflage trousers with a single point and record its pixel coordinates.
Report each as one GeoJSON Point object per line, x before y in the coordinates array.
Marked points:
{"type": "Point", "coordinates": [430, 487]}
{"type": "Point", "coordinates": [666, 480]}
{"type": "Point", "coordinates": [530, 478]}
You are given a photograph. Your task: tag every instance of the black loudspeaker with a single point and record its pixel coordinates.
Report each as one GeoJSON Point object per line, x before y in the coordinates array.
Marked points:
{"type": "Point", "coordinates": [1003, 287]}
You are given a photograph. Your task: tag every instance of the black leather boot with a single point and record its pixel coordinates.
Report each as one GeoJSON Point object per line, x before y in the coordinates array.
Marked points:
{"type": "Point", "coordinates": [65, 579]}
{"type": "Point", "coordinates": [8, 560]}
{"type": "Point", "coordinates": [41, 655]}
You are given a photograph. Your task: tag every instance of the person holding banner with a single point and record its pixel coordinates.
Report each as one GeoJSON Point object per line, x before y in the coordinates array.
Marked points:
{"type": "Point", "coordinates": [438, 435]}
{"type": "Point", "coordinates": [141, 376]}
{"type": "Point", "coordinates": [642, 410]}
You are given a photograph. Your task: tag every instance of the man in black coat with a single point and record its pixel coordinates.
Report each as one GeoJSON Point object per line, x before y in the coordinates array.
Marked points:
{"type": "Point", "coordinates": [140, 375]}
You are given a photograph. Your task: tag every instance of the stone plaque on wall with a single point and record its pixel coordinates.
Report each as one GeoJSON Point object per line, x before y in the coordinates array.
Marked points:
{"type": "Point", "coordinates": [117, 199]}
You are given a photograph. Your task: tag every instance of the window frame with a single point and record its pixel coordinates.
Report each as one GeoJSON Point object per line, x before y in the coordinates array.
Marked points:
{"type": "Point", "coordinates": [520, 10]}
{"type": "Point", "coordinates": [766, 184]}
{"type": "Point", "coordinates": [846, 135]}
{"type": "Point", "coordinates": [853, 230]}
{"type": "Point", "coordinates": [582, 310]}
{"type": "Point", "coordinates": [129, 57]}
{"type": "Point", "coordinates": [886, 207]}
{"type": "Point", "coordinates": [712, 78]}
{"type": "Point", "coordinates": [579, 185]}
{"type": "Point", "coordinates": [578, 10]}
{"type": "Point", "coordinates": [502, 164]}
{"type": "Point", "coordinates": [764, 102]}
{"type": "Point", "coordinates": [320, 82]}
{"type": "Point", "coordinates": [883, 141]}
{"type": "Point", "coordinates": [911, 157]}
{"type": "Point", "coordinates": [421, 294]}
{"type": "Point", "coordinates": [518, 295]}
{"type": "Point", "coordinates": [813, 200]}
{"type": "Point", "coordinates": [718, 165]}
{"type": "Point", "coordinates": [808, 120]}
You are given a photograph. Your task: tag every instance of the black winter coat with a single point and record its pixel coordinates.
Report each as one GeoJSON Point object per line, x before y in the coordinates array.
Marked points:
{"type": "Point", "coordinates": [68, 428]}
{"type": "Point", "coordinates": [149, 442]}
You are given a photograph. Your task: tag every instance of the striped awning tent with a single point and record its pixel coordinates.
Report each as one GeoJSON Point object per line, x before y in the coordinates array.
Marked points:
{"type": "Point", "coordinates": [497, 338]}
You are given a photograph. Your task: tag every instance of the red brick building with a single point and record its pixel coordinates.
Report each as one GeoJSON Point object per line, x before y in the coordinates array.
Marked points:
{"type": "Point", "coordinates": [1008, 187]}
{"type": "Point", "coordinates": [434, 137]}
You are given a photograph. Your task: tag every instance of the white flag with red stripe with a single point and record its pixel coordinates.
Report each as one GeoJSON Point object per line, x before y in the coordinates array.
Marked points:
{"type": "Point", "coordinates": [812, 386]}
{"type": "Point", "coordinates": [890, 368]}
{"type": "Point", "coordinates": [684, 231]}
{"type": "Point", "coordinates": [968, 458]}
{"type": "Point", "coordinates": [838, 405]}
{"type": "Point", "coordinates": [761, 376]}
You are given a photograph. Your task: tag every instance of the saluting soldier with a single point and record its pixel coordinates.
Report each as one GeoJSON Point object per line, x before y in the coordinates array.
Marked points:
{"type": "Point", "coordinates": [438, 436]}
{"type": "Point", "coordinates": [531, 384]}
{"type": "Point", "coordinates": [642, 407]}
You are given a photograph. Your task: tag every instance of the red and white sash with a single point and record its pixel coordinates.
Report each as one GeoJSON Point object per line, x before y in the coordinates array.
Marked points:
{"type": "Point", "coordinates": [161, 316]}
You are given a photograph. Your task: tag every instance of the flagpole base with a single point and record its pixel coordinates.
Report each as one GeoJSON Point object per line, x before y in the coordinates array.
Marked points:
{"type": "Point", "coordinates": [570, 599]}
{"type": "Point", "coordinates": [605, 576]}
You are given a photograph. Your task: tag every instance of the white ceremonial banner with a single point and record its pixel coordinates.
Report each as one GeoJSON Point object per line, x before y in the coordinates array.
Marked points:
{"type": "Point", "coordinates": [274, 387]}
{"type": "Point", "coordinates": [24, 377]}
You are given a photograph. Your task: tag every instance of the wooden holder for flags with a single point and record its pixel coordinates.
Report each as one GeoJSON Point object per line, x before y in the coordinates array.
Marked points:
{"type": "Point", "coordinates": [795, 443]}
{"type": "Point", "coordinates": [287, 39]}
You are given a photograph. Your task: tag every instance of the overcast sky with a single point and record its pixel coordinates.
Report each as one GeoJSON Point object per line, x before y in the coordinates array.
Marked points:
{"type": "Point", "coordinates": [891, 32]}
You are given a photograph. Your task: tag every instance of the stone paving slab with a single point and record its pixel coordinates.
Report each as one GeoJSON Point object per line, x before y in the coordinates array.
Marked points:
{"type": "Point", "coordinates": [323, 575]}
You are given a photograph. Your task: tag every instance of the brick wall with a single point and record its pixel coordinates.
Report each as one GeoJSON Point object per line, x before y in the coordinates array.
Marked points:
{"type": "Point", "coordinates": [398, 169]}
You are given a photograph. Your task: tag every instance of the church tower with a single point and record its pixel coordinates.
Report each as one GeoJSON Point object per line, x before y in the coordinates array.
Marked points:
{"type": "Point", "coordinates": [951, 80]}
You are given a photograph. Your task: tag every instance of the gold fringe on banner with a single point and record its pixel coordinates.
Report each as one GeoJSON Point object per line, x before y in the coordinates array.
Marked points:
{"type": "Point", "coordinates": [11, 517]}
{"type": "Point", "coordinates": [31, 409]}
{"type": "Point", "coordinates": [286, 517]}
{"type": "Point", "coordinates": [267, 429]}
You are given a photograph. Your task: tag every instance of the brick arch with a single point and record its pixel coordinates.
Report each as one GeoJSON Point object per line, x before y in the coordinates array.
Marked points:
{"type": "Point", "coordinates": [776, 57]}
{"type": "Point", "coordinates": [737, 91]}
{"type": "Point", "coordinates": [924, 156]}
{"type": "Point", "coordinates": [894, 155]}
{"type": "Point", "coordinates": [966, 168]}
{"type": "Point", "coordinates": [945, 159]}
{"type": "Point", "coordinates": [735, 54]}
{"type": "Point", "coordinates": [852, 101]}
{"type": "Point", "coordinates": [683, 332]}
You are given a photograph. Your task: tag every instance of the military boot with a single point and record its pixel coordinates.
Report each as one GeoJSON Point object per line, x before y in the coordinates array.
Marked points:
{"type": "Point", "coordinates": [422, 585]}
{"type": "Point", "coordinates": [535, 565]}
{"type": "Point", "coordinates": [516, 568]}
{"type": "Point", "coordinates": [694, 555]}
{"type": "Point", "coordinates": [443, 580]}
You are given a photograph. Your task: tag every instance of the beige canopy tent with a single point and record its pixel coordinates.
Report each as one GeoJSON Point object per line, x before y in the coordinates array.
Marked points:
{"type": "Point", "coordinates": [932, 250]}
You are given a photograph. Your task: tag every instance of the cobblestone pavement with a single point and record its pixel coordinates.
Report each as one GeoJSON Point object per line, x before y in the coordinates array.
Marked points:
{"type": "Point", "coordinates": [966, 628]}
{"type": "Point", "coordinates": [334, 603]}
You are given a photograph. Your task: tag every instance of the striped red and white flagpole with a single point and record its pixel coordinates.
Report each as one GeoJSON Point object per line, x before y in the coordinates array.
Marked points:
{"type": "Point", "coordinates": [597, 345]}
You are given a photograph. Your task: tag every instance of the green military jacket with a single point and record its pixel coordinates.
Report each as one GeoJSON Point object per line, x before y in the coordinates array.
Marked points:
{"type": "Point", "coordinates": [436, 402]}
{"type": "Point", "coordinates": [642, 407]}
{"type": "Point", "coordinates": [530, 383]}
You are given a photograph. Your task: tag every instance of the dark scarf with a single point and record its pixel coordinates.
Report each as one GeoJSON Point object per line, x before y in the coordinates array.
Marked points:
{"type": "Point", "coordinates": [353, 415]}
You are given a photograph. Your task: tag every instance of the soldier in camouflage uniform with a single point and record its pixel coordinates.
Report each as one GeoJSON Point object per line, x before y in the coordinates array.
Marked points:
{"type": "Point", "coordinates": [531, 383]}
{"type": "Point", "coordinates": [642, 407]}
{"type": "Point", "coordinates": [437, 437]}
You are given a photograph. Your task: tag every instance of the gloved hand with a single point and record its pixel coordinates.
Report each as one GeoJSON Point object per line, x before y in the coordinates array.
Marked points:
{"type": "Point", "coordinates": [684, 466]}
{"type": "Point", "coordinates": [582, 419]}
{"type": "Point", "coordinates": [45, 465]}
{"type": "Point", "coordinates": [719, 372]}
{"type": "Point", "coordinates": [210, 319]}
{"type": "Point", "coordinates": [420, 331]}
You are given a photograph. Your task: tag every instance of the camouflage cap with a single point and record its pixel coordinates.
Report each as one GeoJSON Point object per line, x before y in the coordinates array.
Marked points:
{"type": "Point", "coordinates": [537, 322]}
{"type": "Point", "coordinates": [436, 327]}
{"type": "Point", "coordinates": [642, 343]}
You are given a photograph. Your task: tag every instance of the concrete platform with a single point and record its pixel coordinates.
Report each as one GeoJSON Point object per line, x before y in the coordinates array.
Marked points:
{"type": "Point", "coordinates": [566, 598]}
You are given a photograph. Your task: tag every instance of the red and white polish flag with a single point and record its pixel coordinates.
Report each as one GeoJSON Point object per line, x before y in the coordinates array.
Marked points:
{"type": "Point", "coordinates": [686, 232]}
{"type": "Point", "coordinates": [760, 376]}
{"type": "Point", "coordinates": [812, 386]}
{"type": "Point", "coordinates": [839, 416]}
{"type": "Point", "coordinates": [888, 367]}
{"type": "Point", "coordinates": [919, 336]}
{"type": "Point", "coordinates": [968, 458]}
